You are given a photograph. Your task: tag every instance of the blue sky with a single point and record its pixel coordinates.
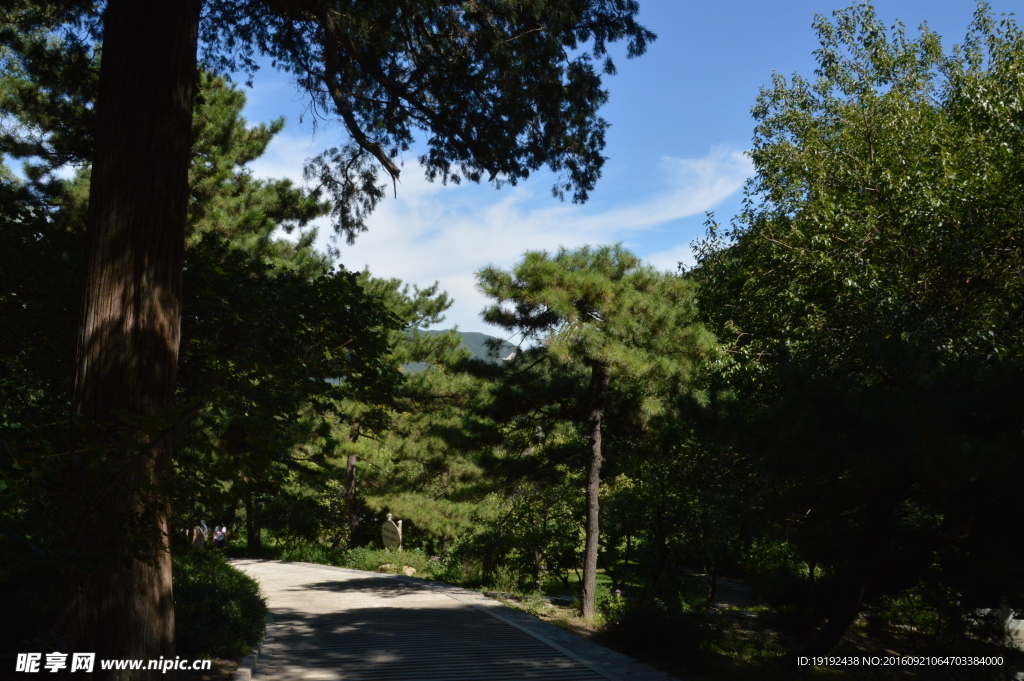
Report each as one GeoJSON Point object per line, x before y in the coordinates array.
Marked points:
{"type": "Point", "coordinates": [680, 121]}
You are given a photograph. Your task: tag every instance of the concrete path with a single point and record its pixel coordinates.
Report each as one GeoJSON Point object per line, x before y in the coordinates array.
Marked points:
{"type": "Point", "coordinates": [350, 625]}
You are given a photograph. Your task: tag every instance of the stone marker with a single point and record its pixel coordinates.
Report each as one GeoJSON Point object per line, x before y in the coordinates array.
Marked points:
{"type": "Point", "coordinates": [391, 533]}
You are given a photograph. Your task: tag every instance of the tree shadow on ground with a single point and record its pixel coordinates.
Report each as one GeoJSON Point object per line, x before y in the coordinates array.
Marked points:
{"type": "Point", "coordinates": [398, 641]}
{"type": "Point", "coordinates": [382, 587]}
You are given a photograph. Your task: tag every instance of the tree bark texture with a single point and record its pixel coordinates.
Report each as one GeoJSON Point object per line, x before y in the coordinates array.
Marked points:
{"type": "Point", "coordinates": [599, 396]}
{"type": "Point", "coordinates": [131, 315]}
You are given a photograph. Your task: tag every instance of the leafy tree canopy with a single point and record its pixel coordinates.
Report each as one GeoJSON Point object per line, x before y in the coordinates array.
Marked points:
{"type": "Point", "coordinates": [603, 311]}
{"type": "Point", "coordinates": [499, 89]}
{"type": "Point", "coordinates": [599, 306]}
{"type": "Point", "coordinates": [871, 290]}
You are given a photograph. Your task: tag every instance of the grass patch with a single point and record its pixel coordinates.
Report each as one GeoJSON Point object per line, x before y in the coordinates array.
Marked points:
{"type": "Point", "coordinates": [365, 558]}
{"type": "Point", "coordinates": [218, 610]}
{"type": "Point", "coordinates": [373, 559]}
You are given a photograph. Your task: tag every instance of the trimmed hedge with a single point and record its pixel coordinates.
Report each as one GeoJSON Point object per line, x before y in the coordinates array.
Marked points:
{"type": "Point", "coordinates": [218, 610]}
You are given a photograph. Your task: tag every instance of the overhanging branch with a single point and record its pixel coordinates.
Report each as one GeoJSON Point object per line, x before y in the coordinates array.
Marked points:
{"type": "Point", "coordinates": [341, 101]}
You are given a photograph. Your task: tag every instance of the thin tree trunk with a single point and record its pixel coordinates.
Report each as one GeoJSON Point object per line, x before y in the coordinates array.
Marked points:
{"type": "Point", "coordinates": [606, 563]}
{"type": "Point", "coordinates": [355, 525]}
{"type": "Point", "coordinates": [712, 578]}
{"type": "Point", "coordinates": [625, 575]}
{"type": "Point", "coordinates": [253, 540]}
{"type": "Point", "coordinates": [661, 542]}
{"type": "Point", "coordinates": [599, 392]}
{"type": "Point", "coordinates": [131, 315]}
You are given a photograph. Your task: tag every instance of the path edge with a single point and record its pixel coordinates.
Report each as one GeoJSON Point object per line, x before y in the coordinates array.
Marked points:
{"type": "Point", "coordinates": [491, 610]}
{"type": "Point", "coordinates": [247, 665]}
{"type": "Point", "coordinates": [487, 606]}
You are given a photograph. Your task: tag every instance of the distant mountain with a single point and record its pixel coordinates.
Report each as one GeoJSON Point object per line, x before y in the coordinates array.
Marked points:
{"type": "Point", "coordinates": [475, 342]}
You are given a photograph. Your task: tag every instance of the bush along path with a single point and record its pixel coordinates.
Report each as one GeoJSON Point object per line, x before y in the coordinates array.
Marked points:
{"type": "Point", "coordinates": [219, 613]}
{"type": "Point", "coordinates": [337, 623]}
{"type": "Point", "coordinates": [219, 610]}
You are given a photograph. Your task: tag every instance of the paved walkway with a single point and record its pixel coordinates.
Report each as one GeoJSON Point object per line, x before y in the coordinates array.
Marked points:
{"type": "Point", "coordinates": [350, 625]}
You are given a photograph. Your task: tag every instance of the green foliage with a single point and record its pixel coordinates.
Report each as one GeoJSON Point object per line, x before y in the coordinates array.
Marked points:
{"type": "Point", "coordinates": [871, 287]}
{"type": "Point", "coordinates": [537, 530]}
{"type": "Point", "coordinates": [671, 631]}
{"type": "Point", "coordinates": [507, 580]}
{"type": "Point", "coordinates": [912, 609]}
{"type": "Point", "coordinates": [308, 552]}
{"type": "Point", "coordinates": [409, 461]}
{"type": "Point", "coordinates": [227, 200]}
{"type": "Point", "coordinates": [46, 87]}
{"type": "Point", "coordinates": [490, 84]}
{"type": "Point", "coordinates": [365, 558]}
{"type": "Point", "coordinates": [218, 610]}
{"type": "Point", "coordinates": [612, 339]}
{"type": "Point", "coordinates": [266, 322]}
{"type": "Point", "coordinates": [600, 306]}
{"type": "Point", "coordinates": [583, 314]}
{"type": "Point", "coordinates": [863, 429]}
{"type": "Point", "coordinates": [277, 345]}
{"type": "Point", "coordinates": [373, 559]}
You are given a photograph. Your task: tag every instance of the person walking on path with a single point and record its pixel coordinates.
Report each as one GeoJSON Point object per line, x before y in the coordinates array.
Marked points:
{"type": "Point", "coordinates": [199, 533]}
{"type": "Point", "coordinates": [220, 535]}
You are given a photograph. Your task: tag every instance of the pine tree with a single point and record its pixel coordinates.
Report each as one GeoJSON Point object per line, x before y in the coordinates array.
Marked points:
{"type": "Point", "coordinates": [492, 84]}
{"type": "Point", "coordinates": [603, 310]}
{"type": "Point", "coordinates": [268, 320]}
{"type": "Point", "coordinates": [416, 466]}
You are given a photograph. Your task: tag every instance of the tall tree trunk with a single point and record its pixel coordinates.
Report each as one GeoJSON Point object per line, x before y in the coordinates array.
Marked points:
{"type": "Point", "coordinates": [253, 540]}
{"type": "Point", "coordinates": [625, 574]}
{"type": "Point", "coordinates": [355, 521]}
{"type": "Point", "coordinates": [599, 395]}
{"type": "Point", "coordinates": [660, 540]}
{"type": "Point", "coordinates": [129, 333]}
{"type": "Point", "coordinates": [711, 575]}
{"type": "Point", "coordinates": [355, 525]}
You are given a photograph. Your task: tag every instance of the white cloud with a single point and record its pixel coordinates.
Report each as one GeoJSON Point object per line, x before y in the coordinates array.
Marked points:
{"type": "Point", "coordinates": [695, 185]}
{"type": "Point", "coordinates": [432, 232]}
{"type": "Point", "coordinates": [671, 258]}
{"type": "Point", "coordinates": [285, 155]}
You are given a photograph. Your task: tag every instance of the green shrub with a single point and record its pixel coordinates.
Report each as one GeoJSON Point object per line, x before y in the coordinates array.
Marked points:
{"type": "Point", "coordinates": [372, 559]}
{"type": "Point", "coordinates": [455, 570]}
{"type": "Point", "coordinates": [314, 553]}
{"type": "Point", "coordinates": [507, 580]}
{"type": "Point", "coordinates": [650, 628]}
{"type": "Point", "coordinates": [452, 569]}
{"type": "Point", "coordinates": [218, 610]}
